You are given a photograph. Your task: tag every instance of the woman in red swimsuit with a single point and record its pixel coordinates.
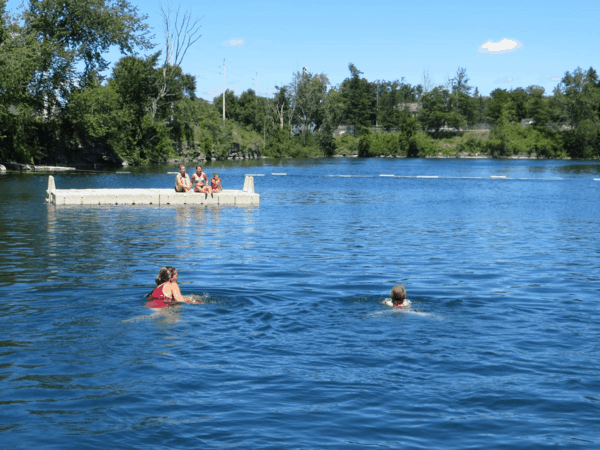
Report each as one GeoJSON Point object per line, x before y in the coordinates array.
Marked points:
{"type": "Point", "coordinates": [167, 292]}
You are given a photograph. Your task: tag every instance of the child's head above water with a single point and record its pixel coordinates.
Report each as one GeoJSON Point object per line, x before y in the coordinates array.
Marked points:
{"type": "Point", "coordinates": [398, 294]}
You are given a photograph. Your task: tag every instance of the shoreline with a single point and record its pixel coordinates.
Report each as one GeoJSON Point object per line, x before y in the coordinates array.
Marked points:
{"type": "Point", "coordinates": [35, 168]}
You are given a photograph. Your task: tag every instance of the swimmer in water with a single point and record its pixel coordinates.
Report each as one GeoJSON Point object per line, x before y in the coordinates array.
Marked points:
{"type": "Point", "coordinates": [167, 293]}
{"type": "Point", "coordinates": [398, 300]}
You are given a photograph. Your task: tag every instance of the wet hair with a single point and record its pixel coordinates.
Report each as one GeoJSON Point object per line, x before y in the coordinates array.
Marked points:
{"type": "Point", "coordinates": [165, 274]}
{"type": "Point", "coordinates": [198, 166]}
{"type": "Point", "coordinates": [398, 293]}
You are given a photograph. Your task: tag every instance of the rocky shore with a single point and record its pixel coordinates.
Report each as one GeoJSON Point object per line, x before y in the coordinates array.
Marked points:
{"type": "Point", "coordinates": [455, 156]}
{"type": "Point", "coordinates": [99, 157]}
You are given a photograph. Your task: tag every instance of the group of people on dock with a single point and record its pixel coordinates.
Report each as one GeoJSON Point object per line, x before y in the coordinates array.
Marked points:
{"type": "Point", "coordinates": [199, 181]}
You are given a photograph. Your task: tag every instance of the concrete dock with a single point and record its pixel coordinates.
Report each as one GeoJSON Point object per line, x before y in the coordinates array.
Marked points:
{"type": "Point", "coordinates": [244, 197]}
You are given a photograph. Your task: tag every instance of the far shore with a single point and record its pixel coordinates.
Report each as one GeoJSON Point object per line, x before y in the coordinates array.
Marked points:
{"type": "Point", "coordinates": [15, 167]}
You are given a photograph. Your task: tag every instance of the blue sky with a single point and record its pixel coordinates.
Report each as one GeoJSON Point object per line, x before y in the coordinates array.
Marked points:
{"type": "Point", "coordinates": [387, 40]}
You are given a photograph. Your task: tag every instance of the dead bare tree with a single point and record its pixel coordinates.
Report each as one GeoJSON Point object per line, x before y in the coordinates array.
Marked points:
{"type": "Point", "coordinates": [427, 81]}
{"type": "Point", "coordinates": [181, 32]}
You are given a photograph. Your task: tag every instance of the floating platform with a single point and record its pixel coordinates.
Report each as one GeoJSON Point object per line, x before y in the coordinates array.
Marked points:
{"type": "Point", "coordinates": [231, 197]}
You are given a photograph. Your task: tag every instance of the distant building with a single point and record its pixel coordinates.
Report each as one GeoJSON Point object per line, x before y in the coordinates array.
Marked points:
{"type": "Point", "coordinates": [343, 129]}
{"type": "Point", "coordinates": [414, 108]}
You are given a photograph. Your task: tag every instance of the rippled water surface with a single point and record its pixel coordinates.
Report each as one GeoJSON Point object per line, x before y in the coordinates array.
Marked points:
{"type": "Point", "coordinates": [293, 348]}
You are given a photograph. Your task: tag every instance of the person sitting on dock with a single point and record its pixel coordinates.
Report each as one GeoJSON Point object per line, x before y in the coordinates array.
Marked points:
{"type": "Point", "coordinates": [182, 180]}
{"type": "Point", "coordinates": [215, 183]}
{"type": "Point", "coordinates": [398, 300]}
{"type": "Point", "coordinates": [167, 292]}
{"type": "Point", "coordinates": [198, 179]}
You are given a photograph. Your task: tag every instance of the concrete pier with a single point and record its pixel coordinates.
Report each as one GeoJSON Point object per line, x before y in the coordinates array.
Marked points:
{"type": "Point", "coordinates": [245, 197]}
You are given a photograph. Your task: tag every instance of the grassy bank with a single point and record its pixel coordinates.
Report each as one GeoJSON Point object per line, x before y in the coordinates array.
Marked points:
{"type": "Point", "coordinates": [510, 141]}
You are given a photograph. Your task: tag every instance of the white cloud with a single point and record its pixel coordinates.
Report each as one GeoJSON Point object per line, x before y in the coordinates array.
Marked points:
{"type": "Point", "coordinates": [235, 42]}
{"type": "Point", "coordinates": [504, 80]}
{"type": "Point", "coordinates": [498, 48]}
{"type": "Point", "coordinates": [551, 78]}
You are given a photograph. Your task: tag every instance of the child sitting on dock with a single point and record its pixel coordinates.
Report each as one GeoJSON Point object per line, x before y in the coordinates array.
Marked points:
{"type": "Point", "coordinates": [182, 180]}
{"type": "Point", "coordinates": [167, 292]}
{"type": "Point", "coordinates": [215, 183]}
{"type": "Point", "coordinates": [398, 300]}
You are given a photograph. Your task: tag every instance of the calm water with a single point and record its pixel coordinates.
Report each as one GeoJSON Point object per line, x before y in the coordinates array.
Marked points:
{"type": "Point", "coordinates": [293, 348]}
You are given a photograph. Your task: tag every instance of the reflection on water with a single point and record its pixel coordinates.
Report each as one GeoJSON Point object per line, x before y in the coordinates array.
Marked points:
{"type": "Point", "coordinates": [579, 169]}
{"type": "Point", "coordinates": [292, 335]}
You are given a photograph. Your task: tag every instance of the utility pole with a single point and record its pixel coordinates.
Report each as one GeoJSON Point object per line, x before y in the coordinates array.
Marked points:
{"type": "Point", "coordinates": [224, 84]}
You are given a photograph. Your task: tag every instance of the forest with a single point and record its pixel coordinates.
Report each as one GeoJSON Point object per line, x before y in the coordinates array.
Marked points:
{"type": "Point", "coordinates": [60, 98]}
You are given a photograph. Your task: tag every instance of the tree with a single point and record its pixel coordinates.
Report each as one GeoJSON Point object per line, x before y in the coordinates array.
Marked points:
{"type": "Point", "coordinates": [480, 107]}
{"type": "Point", "coordinates": [520, 99]}
{"type": "Point", "coordinates": [331, 114]}
{"type": "Point", "coordinates": [538, 107]}
{"type": "Point", "coordinates": [181, 33]}
{"type": "Point", "coordinates": [580, 92]}
{"type": "Point", "coordinates": [280, 105]}
{"type": "Point", "coordinates": [358, 99]}
{"type": "Point", "coordinates": [139, 136]}
{"type": "Point", "coordinates": [436, 111]}
{"type": "Point", "coordinates": [393, 102]}
{"type": "Point", "coordinates": [231, 102]}
{"type": "Point", "coordinates": [462, 103]}
{"type": "Point", "coordinates": [309, 92]}
{"type": "Point", "coordinates": [20, 126]}
{"type": "Point", "coordinates": [500, 102]}
{"type": "Point", "coordinates": [74, 33]}
{"type": "Point", "coordinates": [389, 104]}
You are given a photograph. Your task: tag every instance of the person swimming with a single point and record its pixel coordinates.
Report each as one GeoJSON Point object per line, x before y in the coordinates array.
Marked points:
{"type": "Point", "coordinates": [167, 293]}
{"type": "Point", "coordinates": [398, 298]}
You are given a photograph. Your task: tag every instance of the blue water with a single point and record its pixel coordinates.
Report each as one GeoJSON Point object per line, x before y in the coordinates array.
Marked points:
{"type": "Point", "coordinates": [292, 348]}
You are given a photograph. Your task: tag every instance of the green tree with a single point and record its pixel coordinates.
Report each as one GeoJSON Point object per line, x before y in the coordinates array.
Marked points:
{"type": "Point", "coordinates": [310, 90]}
{"type": "Point", "coordinates": [581, 95]}
{"type": "Point", "coordinates": [501, 103]}
{"type": "Point", "coordinates": [74, 33]}
{"type": "Point", "coordinates": [94, 113]}
{"type": "Point", "coordinates": [231, 105]}
{"type": "Point", "coordinates": [140, 137]}
{"type": "Point", "coordinates": [538, 107]}
{"type": "Point", "coordinates": [21, 129]}
{"type": "Point", "coordinates": [519, 97]}
{"type": "Point", "coordinates": [581, 92]}
{"type": "Point", "coordinates": [462, 103]}
{"type": "Point", "coordinates": [358, 99]}
{"type": "Point", "coordinates": [331, 114]}
{"type": "Point", "coordinates": [480, 107]}
{"type": "Point", "coordinates": [390, 102]}
{"type": "Point", "coordinates": [436, 111]}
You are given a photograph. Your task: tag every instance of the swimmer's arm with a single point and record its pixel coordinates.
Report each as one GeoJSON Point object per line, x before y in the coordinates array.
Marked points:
{"type": "Point", "coordinates": [178, 297]}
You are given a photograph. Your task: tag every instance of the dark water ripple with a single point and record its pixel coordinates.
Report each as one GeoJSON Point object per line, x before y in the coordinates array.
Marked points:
{"type": "Point", "coordinates": [292, 347]}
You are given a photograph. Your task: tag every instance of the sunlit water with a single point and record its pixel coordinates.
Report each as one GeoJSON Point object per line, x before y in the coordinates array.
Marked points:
{"type": "Point", "coordinates": [292, 348]}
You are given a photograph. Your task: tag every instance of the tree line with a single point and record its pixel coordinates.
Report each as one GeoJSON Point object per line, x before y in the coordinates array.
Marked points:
{"type": "Point", "coordinates": [56, 94]}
